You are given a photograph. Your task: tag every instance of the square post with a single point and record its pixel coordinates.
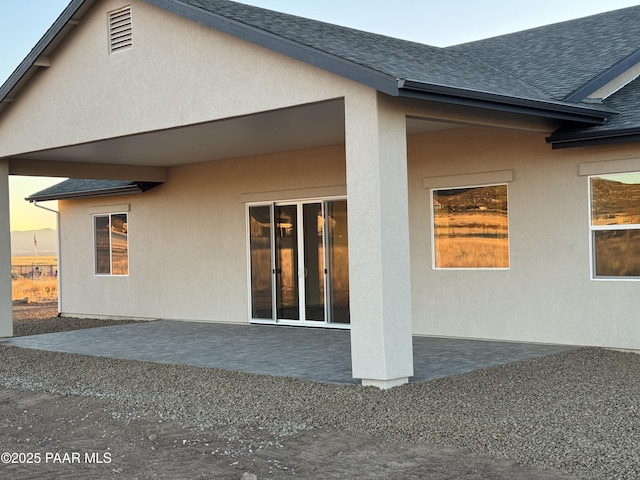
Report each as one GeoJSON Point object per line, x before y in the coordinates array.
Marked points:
{"type": "Point", "coordinates": [379, 261]}
{"type": "Point", "coordinates": [6, 309]}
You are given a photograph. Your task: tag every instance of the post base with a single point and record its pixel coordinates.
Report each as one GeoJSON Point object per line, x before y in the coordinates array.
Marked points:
{"type": "Point", "coordinates": [385, 384]}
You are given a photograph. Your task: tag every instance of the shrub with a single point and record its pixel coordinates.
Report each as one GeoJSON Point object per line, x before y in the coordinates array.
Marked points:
{"type": "Point", "coordinates": [38, 290]}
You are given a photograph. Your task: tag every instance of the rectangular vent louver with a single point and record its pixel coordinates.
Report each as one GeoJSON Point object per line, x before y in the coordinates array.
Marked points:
{"type": "Point", "coordinates": [120, 30]}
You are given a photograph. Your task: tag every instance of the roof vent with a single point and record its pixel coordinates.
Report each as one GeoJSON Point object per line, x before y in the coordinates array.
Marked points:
{"type": "Point", "coordinates": [120, 30]}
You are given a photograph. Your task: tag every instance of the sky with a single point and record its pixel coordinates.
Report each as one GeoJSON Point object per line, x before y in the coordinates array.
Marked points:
{"type": "Point", "coordinates": [434, 22]}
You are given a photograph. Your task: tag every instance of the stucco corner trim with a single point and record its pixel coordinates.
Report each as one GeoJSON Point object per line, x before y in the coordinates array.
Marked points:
{"type": "Point", "coordinates": [122, 207]}
{"type": "Point", "coordinates": [468, 179]}
{"type": "Point", "coordinates": [610, 166]}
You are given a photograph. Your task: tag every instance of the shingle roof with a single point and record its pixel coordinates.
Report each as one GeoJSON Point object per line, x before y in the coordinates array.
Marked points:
{"type": "Point", "coordinates": [427, 69]}
{"type": "Point", "coordinates": [400, 59]}
{"type": "Point", "coordinates": [561, 57]}
{"type": "Point", "coordinates": [623, 127]}
{"type": "Point", "coordinates": [78, 188]}
{"type": "Point", "coordinates": [548, 64]}
{"type": "Point", "coordinates": [533, 72]}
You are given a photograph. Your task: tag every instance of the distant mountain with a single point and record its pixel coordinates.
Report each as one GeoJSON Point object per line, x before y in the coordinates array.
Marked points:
{"type": "Point", "coordinates": [491, 198]}
{"type": "Point", "coordinates": [613, 200]}
{"type": "Point", "coordinates": [22, 242]}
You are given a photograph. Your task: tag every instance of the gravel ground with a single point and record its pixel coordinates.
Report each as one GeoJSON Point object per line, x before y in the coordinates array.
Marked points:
{"type": "Point", "coordinates": [28, 320]}
{"type": "Point", "coordinates": [578, 412]}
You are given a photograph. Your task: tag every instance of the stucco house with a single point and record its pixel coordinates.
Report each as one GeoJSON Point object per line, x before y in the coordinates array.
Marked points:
{"type": "Point", "coordinates": [234, 164]}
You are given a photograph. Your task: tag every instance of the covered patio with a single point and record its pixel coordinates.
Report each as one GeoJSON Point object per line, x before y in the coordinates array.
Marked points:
{"type": "Point", "coordinates": [321, 355]}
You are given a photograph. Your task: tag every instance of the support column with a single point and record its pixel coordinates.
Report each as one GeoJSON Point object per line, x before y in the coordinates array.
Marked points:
{"type": "Point", "coordinates": [379, 262]}
{"type": "Point", "coordinates": [6, 311]}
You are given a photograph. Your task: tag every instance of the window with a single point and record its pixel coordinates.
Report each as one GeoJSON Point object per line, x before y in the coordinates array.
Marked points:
{"type": "Point", "coordinates": [470, 227]}
{"type": "Point", "coordinates": [111, 244]}
{"type": "Point", "coordinates": [615, 226]}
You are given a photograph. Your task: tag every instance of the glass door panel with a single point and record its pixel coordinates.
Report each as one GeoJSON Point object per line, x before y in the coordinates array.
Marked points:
{"type": "Point", "coordinates": [261, 270]}
{"type": "Point", "coordinates": [286, 234]}
{"type": "Point", "coordinates": [338, 261]}
{"type": "Point", "coordinates": [313, 227]}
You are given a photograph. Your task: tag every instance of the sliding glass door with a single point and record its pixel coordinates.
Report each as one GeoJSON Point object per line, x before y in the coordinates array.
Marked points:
{"type": "Point", "coordinates": [260, 247]}
{"type": "Point", "coordinates": [338, 261]}
{"type": "Point", "coordinates": [299, 262]}
{"type": "Point", "coordinates": [286, 275]}
{"type": "Point", "coordinates": [313, 268]}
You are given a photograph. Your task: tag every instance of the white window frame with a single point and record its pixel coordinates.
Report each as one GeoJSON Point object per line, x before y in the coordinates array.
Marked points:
{"type": "Point", "coordinates": [433, 228]}
{"type": "Point", "coordinates": [594, 228]}
{"type": "Point", "coordinates": [95, 253]}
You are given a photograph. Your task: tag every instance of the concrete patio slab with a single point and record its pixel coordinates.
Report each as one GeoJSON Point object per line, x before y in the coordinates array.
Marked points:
{"type": "Point", "coordinates": [321, 355]}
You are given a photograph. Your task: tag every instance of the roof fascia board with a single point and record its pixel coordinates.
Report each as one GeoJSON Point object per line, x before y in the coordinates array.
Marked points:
{"type": "Point", "coordinates": [326, 61]}
{"type": "Point", "coordinates": [36, 52]}
{"type": "Point", "coordinates": [570, 140]}
{"type": "Point", "coordinates": [503, 103]}
{"type": "Point", "coordinates": [603, 78]}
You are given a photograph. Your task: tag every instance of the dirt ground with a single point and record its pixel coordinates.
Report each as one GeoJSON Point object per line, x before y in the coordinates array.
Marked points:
{"type": "Point", "coordinates": [72, 437]}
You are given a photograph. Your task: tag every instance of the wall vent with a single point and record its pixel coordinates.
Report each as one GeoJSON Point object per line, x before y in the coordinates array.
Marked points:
{"type": "Point", "coordinates": [120, 30]}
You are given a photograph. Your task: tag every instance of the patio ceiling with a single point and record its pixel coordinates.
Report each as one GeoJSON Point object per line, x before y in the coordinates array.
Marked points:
{"type": "Point", "coordinates": [295, 128]}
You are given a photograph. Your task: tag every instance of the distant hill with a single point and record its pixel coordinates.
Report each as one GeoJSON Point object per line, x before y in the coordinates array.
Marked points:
{"type": "Point", "coordinates": [491, 198]}
{"type": "Point", "coordinates": [613, 200]}
{"type": "Point", "coordinates": [22, 242]}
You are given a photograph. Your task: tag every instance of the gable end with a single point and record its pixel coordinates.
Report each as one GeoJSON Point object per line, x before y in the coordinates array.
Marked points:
{"type": "Point", "coordinates": [381, 81]}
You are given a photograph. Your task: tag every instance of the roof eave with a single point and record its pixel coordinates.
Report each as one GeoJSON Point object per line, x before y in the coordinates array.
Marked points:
{"type": "Point", "coordinates": [504, 103]}
{"type": "Point", "coordinates": [28, 67]}
{"type": "Point", "coordinates": [586, 139]}
{"type": "Point", "coordinates": [340, 66]}
{"type": "Point", "coordinates": [603, 78]}
{"type": "Point", "coordinates": [132, 188]}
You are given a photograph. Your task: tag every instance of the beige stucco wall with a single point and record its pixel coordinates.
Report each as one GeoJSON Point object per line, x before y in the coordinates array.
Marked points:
{"type": "Point", "coordinates": [546, 295]}
{"type": "Point", "coordinates": [177, 73]}
{"type": "Point", "coordinates": [187, 238]}
{"type": "Point", "coordinates": [188, 256]}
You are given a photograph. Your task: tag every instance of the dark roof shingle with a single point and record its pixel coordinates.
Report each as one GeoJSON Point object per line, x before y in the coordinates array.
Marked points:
{"type": "Point", "coordinates": [400, 59]}
{"type": "Point", "coordinates": [80, 187]}
{"type": "Point", "coordinates": [561, 57]}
